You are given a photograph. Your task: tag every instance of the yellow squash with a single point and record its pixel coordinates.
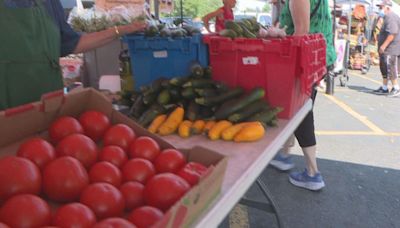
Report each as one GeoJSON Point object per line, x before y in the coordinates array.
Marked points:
{"type": "Point", "coordinates": [171, 124]}
{"type": "Point", "coordinates": [156, 123]}
{"type": "Point", "coordinates": [218, 128]}
{"type": "Point", "coordinates": [250, 133]}
{"type": "Point", "coordinates": [208, 126]}
{"type": "Point", "coordinates": [229, 133]}
{"type": "Point", "coordinates": [198, 126]}
{"type": "Point", "coordinates": [184, 129]}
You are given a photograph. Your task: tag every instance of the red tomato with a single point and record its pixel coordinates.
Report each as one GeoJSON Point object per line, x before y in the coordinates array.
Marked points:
{"type": "Point", "coordinates": [74, 215]}
{"type": "Point", "coordinates": [95, 124]}
{"type": "Point", "coordinates": [145, 217]}
{"type": "Point", "coordinates": [25, 210]}
{"type": "Point", "coordinates": [119, 135]}
{"type": "Point", "coordinates": [113, 154]}
{"type": "Point", "coordinates": [2, 225]}
{"type": "Point", "coordinates": [105, 172]}
{"type": "Point", "coordinates": [114, 223]}
{"type": "Point", "coordinates": [144, 147]}
{"type": "Point", "coordinates": [80, 147]}
{"type": "Point", "coordinates": [163, 190]}
{"type": "Point", "coordinates": [64, 179]}
{"type": "Point", "coordinates": [138, 169]}
{"type": "Point", "coordinates": [169, 161]}
{"type": "Point", "coordinates": [133, 194]}
{"type": "Point", "coordinates": [104, 199]}
{"type": "Point", "coordinates": [18, 175]}
{"type": "Point", "coordinates": [38, 150]}
{"type": "Point", "coordinates": [64, 126]}
{"type": "Point", "coordinates": [192, 172]}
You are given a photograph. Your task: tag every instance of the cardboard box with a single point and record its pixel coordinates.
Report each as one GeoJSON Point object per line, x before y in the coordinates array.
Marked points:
{"type": "Point", "coordinates": [30, 120]}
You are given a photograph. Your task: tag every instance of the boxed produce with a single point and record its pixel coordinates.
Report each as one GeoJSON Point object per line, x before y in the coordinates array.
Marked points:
{"type": "Point", "coordinates": [286, 68]}
{"type": "Point", "coordinates": [39, 121]}
{"type": "Point", "coordinates": [157, 56]}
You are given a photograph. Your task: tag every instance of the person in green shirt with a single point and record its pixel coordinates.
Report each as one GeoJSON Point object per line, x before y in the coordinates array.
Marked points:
{"type": "Point", "coordinates": [303, 17]}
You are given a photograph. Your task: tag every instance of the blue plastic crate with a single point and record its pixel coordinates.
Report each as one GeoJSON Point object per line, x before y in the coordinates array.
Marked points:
{"type": "Point", "coordinates": [155, 57]}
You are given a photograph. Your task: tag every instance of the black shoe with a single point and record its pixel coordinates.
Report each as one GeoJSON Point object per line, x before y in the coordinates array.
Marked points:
{"type": "Point", "coordinates": [394, 93]}
{"type": "Point", "coordinates": [380, 90]}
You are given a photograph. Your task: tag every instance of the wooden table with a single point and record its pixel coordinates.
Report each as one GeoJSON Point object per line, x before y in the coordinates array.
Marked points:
{"type": "Point", "coordinates": [246, 162]}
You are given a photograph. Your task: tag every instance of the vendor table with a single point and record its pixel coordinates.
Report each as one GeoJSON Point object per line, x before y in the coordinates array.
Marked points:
{"type": "Point", "coordinates": [245, 164]}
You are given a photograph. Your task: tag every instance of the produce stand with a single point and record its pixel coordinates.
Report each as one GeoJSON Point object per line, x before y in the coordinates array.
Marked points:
{"type": "Point", "coordinates": [245, 164]}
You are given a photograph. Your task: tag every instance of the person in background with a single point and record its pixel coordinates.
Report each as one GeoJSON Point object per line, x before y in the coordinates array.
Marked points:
{"type": "Point", "coordinates": [225, 13]}
{"type": "Point", "coordinates": [34, 35]}
{"type": "Point", "coordinates": [389, 50]}
{"type": "Point", "coordinates": [277, 6]}
{"type": "Point", "coordinates": [302, 17]}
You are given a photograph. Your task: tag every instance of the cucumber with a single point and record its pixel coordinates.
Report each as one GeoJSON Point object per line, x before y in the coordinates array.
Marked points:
{"type": "Point", "coordinates": [149, 98]}
{"type": "Point", "coordinates": [207, 72]}
{"type": "Point", "coordinates": [249, 110]}
{"type": "Point", "coordinates": [192, 111]}
{"type": "Point", "coordinates": [164, 97]}
{"type": "Point", "coordinates": [179, 81]}
{"type": "Point", "coordinates": [266, 116]}
{"type": "Point", "coordinates": [154, 87]}
{"type": "Point", "coordinates": [138, 107]}
{"type": "Point", "coordinates": [175, 94]}
{"type": "Point", "coordinates": [147, 117]}
{"type": "Point", "coordinates": [224, 112]}
{"type": "Point", "coordinates": [196, 70]}
{"type": "Point", "coordinates": [188, 93]}
{"type": "Point", "coordinates": [206, 92]}
{"type": "Point", "coordinates": [206, 112]}
{"type": "Point", "coordinates": [199, 83]}
{"type": "Point", "coordinates": [211, 101]}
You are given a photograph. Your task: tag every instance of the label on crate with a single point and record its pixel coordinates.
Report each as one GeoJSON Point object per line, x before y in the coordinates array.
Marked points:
{"type": "Point", "coordinates": [160, 54]}
{"type": "Point", "coordinates": [250, 60]}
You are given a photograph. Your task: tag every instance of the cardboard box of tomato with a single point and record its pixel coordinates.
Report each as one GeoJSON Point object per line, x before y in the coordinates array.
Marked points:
{"type": "Point", "coordinates": [34, 119]}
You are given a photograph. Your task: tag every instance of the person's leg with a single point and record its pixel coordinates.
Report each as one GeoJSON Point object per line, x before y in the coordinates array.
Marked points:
{"type": "Point", "coordinates": [383, 66]}
{"type": "Point", "coordinates": [393, 73]}
{"type": "Point", "coordinates": [310, 178]}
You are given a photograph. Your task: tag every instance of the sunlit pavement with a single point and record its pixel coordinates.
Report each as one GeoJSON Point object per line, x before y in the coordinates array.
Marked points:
{"type": "Point", "coordinates": [358, 136]}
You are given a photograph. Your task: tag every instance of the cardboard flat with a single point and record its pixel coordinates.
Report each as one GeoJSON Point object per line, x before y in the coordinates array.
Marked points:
{"type": "Point", "coordinates": [19, 124]}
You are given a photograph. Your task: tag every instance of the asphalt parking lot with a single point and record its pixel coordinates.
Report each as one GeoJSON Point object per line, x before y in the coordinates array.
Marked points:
{"type": "Point", "coordinates": [358, 134]}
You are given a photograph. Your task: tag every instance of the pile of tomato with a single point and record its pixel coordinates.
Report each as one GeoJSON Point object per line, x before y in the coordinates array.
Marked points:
{"type": "Point", "coordinates": [94, 174]}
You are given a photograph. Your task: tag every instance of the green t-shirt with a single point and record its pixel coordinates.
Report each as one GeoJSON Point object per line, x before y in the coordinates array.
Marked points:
{"type": "Point", "coordinates": [321, 22]}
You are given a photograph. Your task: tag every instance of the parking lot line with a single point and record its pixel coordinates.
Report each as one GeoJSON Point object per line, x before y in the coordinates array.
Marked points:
{"type": "Point", "coordinates": [355, 133]}
{"type": "Point", "coordinates": [366, 78]}
{"type": "Point", "coordinates": [361, 118]}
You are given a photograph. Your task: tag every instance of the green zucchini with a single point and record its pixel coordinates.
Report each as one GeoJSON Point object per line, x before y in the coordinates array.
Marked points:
{"type": "Point", "coordinates": [188, 93]}
{"type": "Point", "coordinates": [175, 94]}
{"type": "Point", "coordinates": [138, 107]}
{"type": "Point", "coordinates": [179, 81]}
{"type": "Point", "coordinates": [196, 70]}
{"type": "Point", "coordinates": [206, 92]}
{"type": "Point", "coordinates": [149, 98]}
{"type": "Point", "coordinates": [192, 111]}
{"type": "Point", "coordinates": [211, 101]}
{"type": "Point", "coordinates": [224, 112]}
{"type": "Point", "coordinates": [199, 83]}
{"type": "Point", "coordinates": [164, 97]}
{"type": "Point", "coordinates": [265, 116]}
{"type": "Point", "coordinates": [154, 87]}
{"type": "Point", "coordinates": [148, 116]}
{"type": "Point", "coordinates": [249, 110]}
{"type": "Point", "coordinates": [207, 72]}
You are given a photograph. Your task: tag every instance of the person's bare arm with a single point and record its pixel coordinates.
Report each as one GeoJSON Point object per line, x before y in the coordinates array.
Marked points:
{"type": "Point", "coordinates": [386, 43]}
{"type": "Point", "coordinates": [300, 10]}
{"type": "Point", "coordinates": [207, 18]}
{"type": "Point", "coordinates": [94, 40]}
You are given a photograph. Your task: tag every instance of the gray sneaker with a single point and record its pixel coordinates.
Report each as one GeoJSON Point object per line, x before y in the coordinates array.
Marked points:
{"type": "Point", "coordinates": [394, 93]}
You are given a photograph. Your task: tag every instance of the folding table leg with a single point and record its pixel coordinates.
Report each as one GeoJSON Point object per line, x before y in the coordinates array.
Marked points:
{"type": "Point", "coordinates": [264, 206]}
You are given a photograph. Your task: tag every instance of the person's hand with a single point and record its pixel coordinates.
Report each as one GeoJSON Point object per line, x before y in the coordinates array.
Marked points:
{"type": "Point", "coordinates": [382, 49]}
{"type": "Point", "coordinates": [137, 26]}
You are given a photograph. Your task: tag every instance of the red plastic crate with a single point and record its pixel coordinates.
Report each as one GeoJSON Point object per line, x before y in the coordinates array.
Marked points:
{"type": "Point", "coordinates": [286, 68]}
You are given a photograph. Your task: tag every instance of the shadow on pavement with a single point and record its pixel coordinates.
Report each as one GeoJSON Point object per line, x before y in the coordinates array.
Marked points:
{"type": "Point", "coordinates": [355, 196]}
{"type": "Point", "coordinates": [362, 89]}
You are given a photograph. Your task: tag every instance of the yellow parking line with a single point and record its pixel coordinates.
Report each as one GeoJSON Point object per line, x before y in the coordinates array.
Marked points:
{"type": "Point", "coordinates": [366, 133]}
{"type": "Point", "coordinates": [359, 117]}
{"type": "Point", "coordinates": [366, 78]}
